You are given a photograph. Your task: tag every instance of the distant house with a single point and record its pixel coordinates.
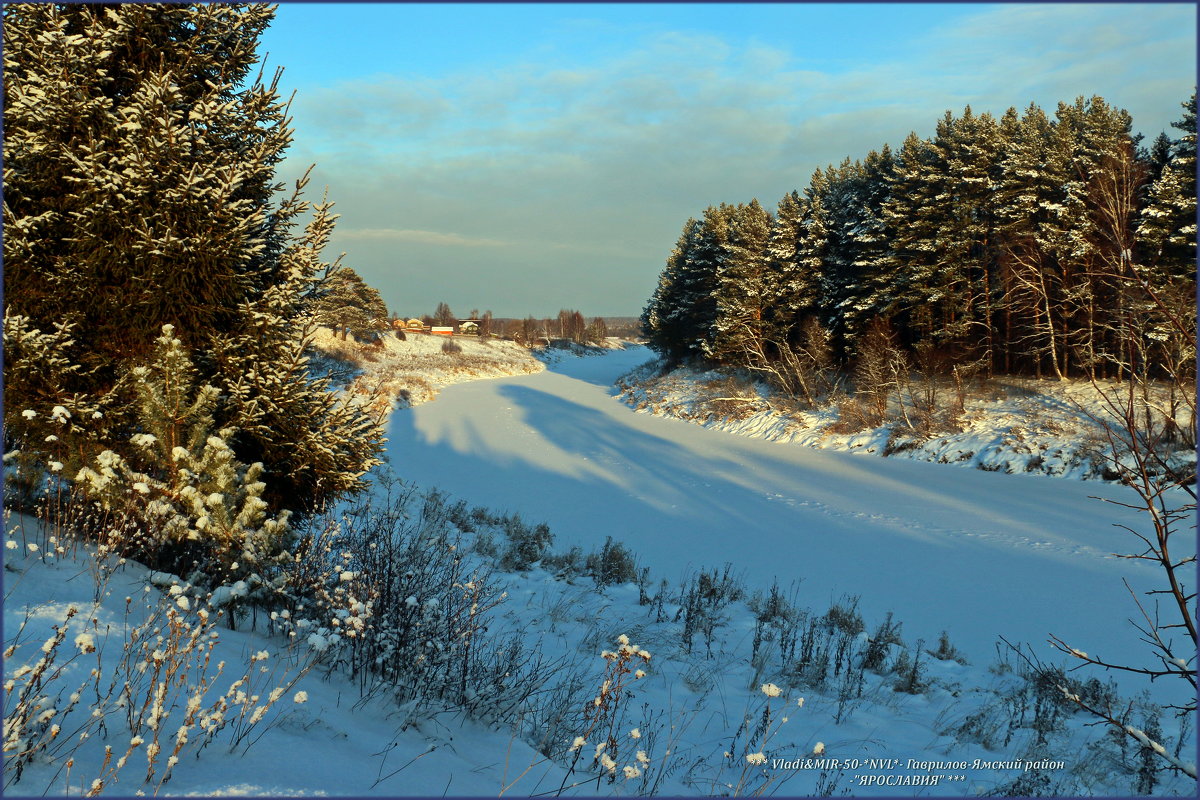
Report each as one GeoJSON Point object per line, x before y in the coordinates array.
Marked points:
{"type": "Point", "coordinates": [469, 327]}
{"type": "Point", "coordinates": [442, 330]}
{"type": "Point", "coordinates": [414, 325]}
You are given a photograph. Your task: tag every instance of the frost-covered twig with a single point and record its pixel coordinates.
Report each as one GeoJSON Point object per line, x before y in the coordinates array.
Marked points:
{"type": "Point", "coordinates": [1187, 768]}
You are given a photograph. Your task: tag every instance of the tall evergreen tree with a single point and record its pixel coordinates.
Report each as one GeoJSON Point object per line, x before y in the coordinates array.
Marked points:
{"type": "Point", "coordinates": [1159, 155]}
{"type": "Point", "coordinates": [969, 151]}
{"type": "Point", "coordinates": [704, 265]}
{"type": "Point", "coordinates": [740, 277]}
{"type": "Point", "coordinates": [870, 239]}
{"type": "Point", "coordinates": [1167, 225]}
{"type": "Point", "coordinates": [140, 154]}
{"type": "Point", "coordinates": [349, 306]}
{"type": "Point", "coordinates": [664, 319]}
{"type": "Point", "coordinates": [789, 291]}
{"type": "Point", "coordinates": [912, 213]}
{"type": "Point", "coordinates": [840, 279]}
{"type": "Point", "coordinates": [1033, 224]}
{"type": "Point", "coordinates": [812, 250]}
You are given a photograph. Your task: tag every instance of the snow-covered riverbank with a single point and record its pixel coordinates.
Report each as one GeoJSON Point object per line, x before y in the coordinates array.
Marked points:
{"type": "Point", "coordinates": [397, 373]}
{"type": "Point", "coordinates": [1013, 425]}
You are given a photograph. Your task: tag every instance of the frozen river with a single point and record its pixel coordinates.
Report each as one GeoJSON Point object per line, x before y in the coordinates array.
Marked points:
{"type": "Point", "coordinates": [978, 554]}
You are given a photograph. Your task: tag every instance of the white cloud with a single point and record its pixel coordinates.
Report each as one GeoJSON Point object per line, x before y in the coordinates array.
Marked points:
{"type": "Point", "coordinates": [417, 236]}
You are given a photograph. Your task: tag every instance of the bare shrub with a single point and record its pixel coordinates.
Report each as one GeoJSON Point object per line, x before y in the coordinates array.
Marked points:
{"type": "Point", "coordinates": [730, 397]}
{"type": "Point", "coordinates": [604, 736]}
{"type": "Point", "coordinates": [923, 393]}
{"type": "Point", "coordinates": [827, 646]}
{"type": "Point", "coordinates": [614, 564]}
{"type": "Point", "coordinates": [740, 770]}
{"type": "Point", "coordinates": [803, 370]}
{"type": "Point", "coordinates": [400, 564]}
{"type": "Point", "coordinates": [1143, 439]}
{"type": "Point", "coordinates": [702, 603]}
{"type": "Point", "coordinates": [878, 371]}
{"type": "Point", "coordinates": [853, 416]}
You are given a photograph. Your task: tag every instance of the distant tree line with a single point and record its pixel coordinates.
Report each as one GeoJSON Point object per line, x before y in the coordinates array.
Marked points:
{"type": "Point", "coordinates": [1024, 244]}
{"type": "Point", "coordinates": [570, 325]}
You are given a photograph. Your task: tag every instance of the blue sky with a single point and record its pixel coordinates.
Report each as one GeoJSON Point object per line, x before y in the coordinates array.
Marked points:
{"type": "Point", "coordinates": [529, 157]}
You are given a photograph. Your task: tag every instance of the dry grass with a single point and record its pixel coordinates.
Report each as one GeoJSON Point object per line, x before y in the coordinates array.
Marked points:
{"type": "Point", "coordinates": [391, 373]}
{"type": "Point", "coordinates": [729, 397]}
{"type": "Point", "coordinates": [150, 701]}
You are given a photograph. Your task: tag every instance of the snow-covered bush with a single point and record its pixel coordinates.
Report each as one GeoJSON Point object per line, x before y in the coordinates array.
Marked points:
{"type": "Point", "coordinates": [887, 634]}
{"type": "Point", "coordinates": [201, 510]}
{"type": "Point", "coordinates": [828, 647]}
{"type": "Point", "coordinates": [526, 543]}
{"type": "Point", "coordinates": [909, 671]}
{"type": "Point", "coordinates": [613, 564]}
{"type": "Point", "coordinates": [407, 605]}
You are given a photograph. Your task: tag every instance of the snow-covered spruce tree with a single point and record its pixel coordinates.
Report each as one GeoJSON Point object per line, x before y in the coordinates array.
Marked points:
{"type": "Point", "coordinates": [869, 240]}
{"type": "Point", "coordinates": [140, 190]}
{"type": "Point", "coordinates": [912, 212]}
{"type": "Point", "coordinates": [789, 291]}
{"type": "Point", "coordinates": [840, 280]}
{"type": "Point", "coordinates": [680, 312]}
{"type": "Point", "coordinates": [1032, 230]}
{"type": "Point", "coordinates": [1164, 277]}
{"type": "Point", "coordinates": [970, 148]}
{"type": "Point", "coordinates": [41, 437]}
{"type": "Point", "coordinates": [737, 331]}
{"type": "Point", "coordinates": [1167, 226]}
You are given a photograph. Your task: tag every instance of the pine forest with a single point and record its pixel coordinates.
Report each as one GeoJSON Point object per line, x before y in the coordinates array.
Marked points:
{"type": "Point", "coordinates": [1052, 247]}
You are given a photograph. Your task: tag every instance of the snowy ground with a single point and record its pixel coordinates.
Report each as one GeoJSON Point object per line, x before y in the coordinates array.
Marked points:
{"type": "Point", "coordinates": [977, 554]}
{"type": "Point", "coordinates": [969, 730]}
{"type": "Point", "coordinates": [404, 373]}
{"type": "Point", "coordinates": [1012, 425]}
{"type": "Point", "coordinates": [331, 744]}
